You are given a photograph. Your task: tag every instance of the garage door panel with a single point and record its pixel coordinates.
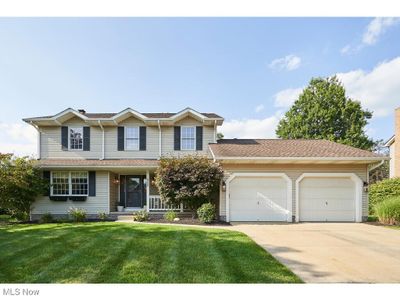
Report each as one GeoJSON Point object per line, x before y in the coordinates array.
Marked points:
{"type": "Point", "coordinates": [327, 199]}
{"type": "Point", "coordinates": [258, 199]}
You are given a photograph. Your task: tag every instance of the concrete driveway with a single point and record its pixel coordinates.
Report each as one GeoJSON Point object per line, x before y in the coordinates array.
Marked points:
{"type": "Point", "coordinates": [331, 252]}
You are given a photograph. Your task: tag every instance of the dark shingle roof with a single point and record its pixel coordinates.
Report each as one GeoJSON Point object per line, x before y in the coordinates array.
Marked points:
{"type": "Point", "coordinates": [286, 148]}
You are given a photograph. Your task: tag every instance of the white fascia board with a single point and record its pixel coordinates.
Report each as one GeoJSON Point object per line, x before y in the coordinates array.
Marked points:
{"type": "Point", "coordinates": [303, 158]}
{"type": "Point", "coordinates": [128, 111]}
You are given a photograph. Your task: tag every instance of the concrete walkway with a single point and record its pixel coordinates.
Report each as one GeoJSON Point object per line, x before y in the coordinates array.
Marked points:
{"type": "Point", "coordinates": [331, 252]}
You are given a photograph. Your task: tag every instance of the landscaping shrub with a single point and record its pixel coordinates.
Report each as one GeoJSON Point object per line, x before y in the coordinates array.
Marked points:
{"type": "Point", "coordinates": [170, 215]}
{"type": "Point", "coordinates": [102, 216]}
{"type": "Point", "coordinates": [191, 180]}
{"type": "Point", "coordinates": [140, 216]}
{"type": "Point", "coordinates": [388, 211]}
{"type": "Point", "coordinates": [47, 218]}
{"type": "Point", "coordinates": [20, 183]}
{"type": "Point", "coordinates": [383, 190]}
{"type": "Point", "coordinates": [206, 213]}
{"type": "Point", "coordinates": [77, 214]}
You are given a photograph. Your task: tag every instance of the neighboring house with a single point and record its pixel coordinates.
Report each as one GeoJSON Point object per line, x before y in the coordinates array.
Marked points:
{"type": "Point", "coordinates": [394, 166]}
{"type": "Point", "coordinates": [99, 161]}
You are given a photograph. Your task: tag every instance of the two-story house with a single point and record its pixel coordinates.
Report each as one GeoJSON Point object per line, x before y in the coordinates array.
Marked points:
{"type": "Point", "coordinates": [105, 162]}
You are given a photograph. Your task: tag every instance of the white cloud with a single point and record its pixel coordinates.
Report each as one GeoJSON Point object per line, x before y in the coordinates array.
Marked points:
{"type": "Point", "coordinates": [377, 27]}
{"type": "Point", "coordinates": [346, 49]}
{"type": "Point", "coordinates": [251, 128]}
{"type": "Point", "coordinates": [377, 90]}
{"type": "Point", "coordinates": [289, 63]}
{"type": "Point", "coordinates": [373, 31]}
{"type": "Point", "coordinates": [259, 108]}
{"type": "Point", "coordinates": [285, 98]}
{"type": "Point", "coordinates": [17, 138]}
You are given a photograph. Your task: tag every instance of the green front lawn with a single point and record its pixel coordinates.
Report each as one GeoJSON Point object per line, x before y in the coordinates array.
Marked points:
{"type": "Point", "coordinates": [137, 253]}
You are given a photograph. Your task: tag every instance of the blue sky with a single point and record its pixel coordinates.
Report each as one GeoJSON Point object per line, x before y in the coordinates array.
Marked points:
{"type": "Point", "coordinates": [249, 70]}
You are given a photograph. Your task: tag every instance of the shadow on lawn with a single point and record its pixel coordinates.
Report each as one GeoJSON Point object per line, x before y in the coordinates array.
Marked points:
{"type": "Point", "coordinates": [134, 253]}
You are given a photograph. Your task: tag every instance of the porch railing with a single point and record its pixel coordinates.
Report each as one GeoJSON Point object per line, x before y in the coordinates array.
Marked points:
{"type": "Point", "coordinates": [157, 204]}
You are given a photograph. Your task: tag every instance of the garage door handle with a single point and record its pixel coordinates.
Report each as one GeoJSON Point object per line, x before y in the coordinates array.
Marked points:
{"type": "Point", "coordinates": [326, 202]}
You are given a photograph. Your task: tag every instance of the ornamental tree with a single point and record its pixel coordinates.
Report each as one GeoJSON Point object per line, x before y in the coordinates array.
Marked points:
{"type": "Point", "coordinates": [323, 111]}
{"type": "Point", "coordinates": [20, 184]}
{"type": "Point", "coordinates": [190, 180]}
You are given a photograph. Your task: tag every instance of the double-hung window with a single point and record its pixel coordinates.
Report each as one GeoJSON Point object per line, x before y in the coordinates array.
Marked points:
{"type": "Point", "coordinates": [76, 138]}
{"type": "Point", "coordinates": [188, 138]}
{"type": "Point", "coordinates": [132, 138]}
{"type": "Point", "coordinates": [69, 183]}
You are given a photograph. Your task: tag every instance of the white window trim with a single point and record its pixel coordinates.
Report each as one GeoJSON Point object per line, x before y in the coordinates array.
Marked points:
{"type": "Point", "coordinates": [125, 137]}
{"type": "Point", "coordinates": [194, 144]}
{"type": "Point", "coordinates": [69, 138]}
{"type": "Point", "coordinates": [69, 185]}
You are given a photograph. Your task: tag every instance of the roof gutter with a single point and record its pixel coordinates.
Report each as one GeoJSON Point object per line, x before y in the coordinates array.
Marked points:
{"type": "Point", "coordinates": [373, 167]}
{"type": "Point", "coordinates": [300, 158]}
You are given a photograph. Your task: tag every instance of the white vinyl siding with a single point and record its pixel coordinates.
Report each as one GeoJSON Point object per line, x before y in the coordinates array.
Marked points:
{"type": "Point", "coordinates": [92, 205]}
{"type": "Point", "coordinates": [295, 171]}
{"type": "Point", "coordinates": [50, 139]}
{"type": "Point", "coordinates": [111, 142]}
{"type": "Point", "coordinates": [168, 138]}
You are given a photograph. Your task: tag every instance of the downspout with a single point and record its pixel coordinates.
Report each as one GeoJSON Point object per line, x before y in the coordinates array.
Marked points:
{"type": "Point", "coordinates": [159, 139]}
{"type": "Point", "coordinates": [103, 145]}
{"type": "Point", "coordinates": [376, 166]}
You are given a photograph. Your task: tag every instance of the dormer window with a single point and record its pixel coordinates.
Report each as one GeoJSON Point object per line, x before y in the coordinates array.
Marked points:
{"type": "Point", "coordinates": [132, 138]}
{"type": "Point", "coordinates": [76, 138]}
{"type": "Point", "coordinates": [188, 138]}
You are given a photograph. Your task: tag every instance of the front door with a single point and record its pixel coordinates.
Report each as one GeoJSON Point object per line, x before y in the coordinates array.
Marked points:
{"type": "Point", "coordinates": [134, 191]}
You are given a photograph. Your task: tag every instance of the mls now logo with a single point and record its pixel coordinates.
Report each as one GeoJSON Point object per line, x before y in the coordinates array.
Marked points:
{"type": "Point", "coordinates": [18, 292]}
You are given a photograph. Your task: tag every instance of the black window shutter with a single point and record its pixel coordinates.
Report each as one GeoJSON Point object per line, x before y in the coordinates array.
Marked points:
{"type": "Point", "coordinates": [199, 138]}
{"type": "Point", "coordinates": [177, 138]}
{"type": "Point", "coordinates": [64, 138]}
{"type": "Point", "coordinates": [46, 176]}
{"type": "Point", "coordinates": [92, 183]}
{"type": "Point", "coordinates": [121, 138]}
{"type": "Point", "coordinates": [142, 136]}
{"type": "Point", "coordinates": [86, 138]}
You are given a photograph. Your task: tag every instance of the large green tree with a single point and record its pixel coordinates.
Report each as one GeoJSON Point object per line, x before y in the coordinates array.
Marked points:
{"type": "Point", "coordinates": [323, 111]}
{"type": "Point", "coordinates": [20, 184]}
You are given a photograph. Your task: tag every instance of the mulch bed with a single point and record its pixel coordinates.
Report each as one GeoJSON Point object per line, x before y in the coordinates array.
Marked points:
{"type": "Point", "coordinates": [185, 220]}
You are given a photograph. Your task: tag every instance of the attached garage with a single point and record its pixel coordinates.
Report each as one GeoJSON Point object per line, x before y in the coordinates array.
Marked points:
{"type": "Point", "coordinates": [259, 197]}
{"type": "Point", "coordinates": [328, 198]}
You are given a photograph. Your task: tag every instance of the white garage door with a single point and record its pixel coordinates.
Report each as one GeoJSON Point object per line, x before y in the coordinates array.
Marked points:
{"type": "Point", "coordinates": [327, 199]}
{"type": "Point", "coordinates": [259, 199]}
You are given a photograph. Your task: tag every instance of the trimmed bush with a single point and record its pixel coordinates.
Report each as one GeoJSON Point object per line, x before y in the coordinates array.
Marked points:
{"type": "Point", "coordinates": [388, 211]}
{"type": "Point", "coordinates": [170, 215]}
{"type": "Point", "coordinates": [47, 218]}
{"type": "Point", "coordinates": [77, 214]}
{"type": "Point", "coordinates": [102, 216]}
{"type": "Point", "coordinates": [140, 216]}
{"type": "Point", "coordinates": [383, 190]}
{"type": "Point", "coordinates": [206, 213]}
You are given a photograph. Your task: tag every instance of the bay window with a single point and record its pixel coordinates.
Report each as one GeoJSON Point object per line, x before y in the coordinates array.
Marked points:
{"type": "Point", "coordinates": [69, 183]}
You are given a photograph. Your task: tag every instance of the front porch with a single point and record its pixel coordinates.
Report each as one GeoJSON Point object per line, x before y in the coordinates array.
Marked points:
{"type": "Point", "coordinates": [133, 192]}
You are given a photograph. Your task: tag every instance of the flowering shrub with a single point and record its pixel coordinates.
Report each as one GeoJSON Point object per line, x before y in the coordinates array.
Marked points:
{"type": "Point", "coordinates": [190, 180]}
{"type": "Point", "coordinates": [77, 214]}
